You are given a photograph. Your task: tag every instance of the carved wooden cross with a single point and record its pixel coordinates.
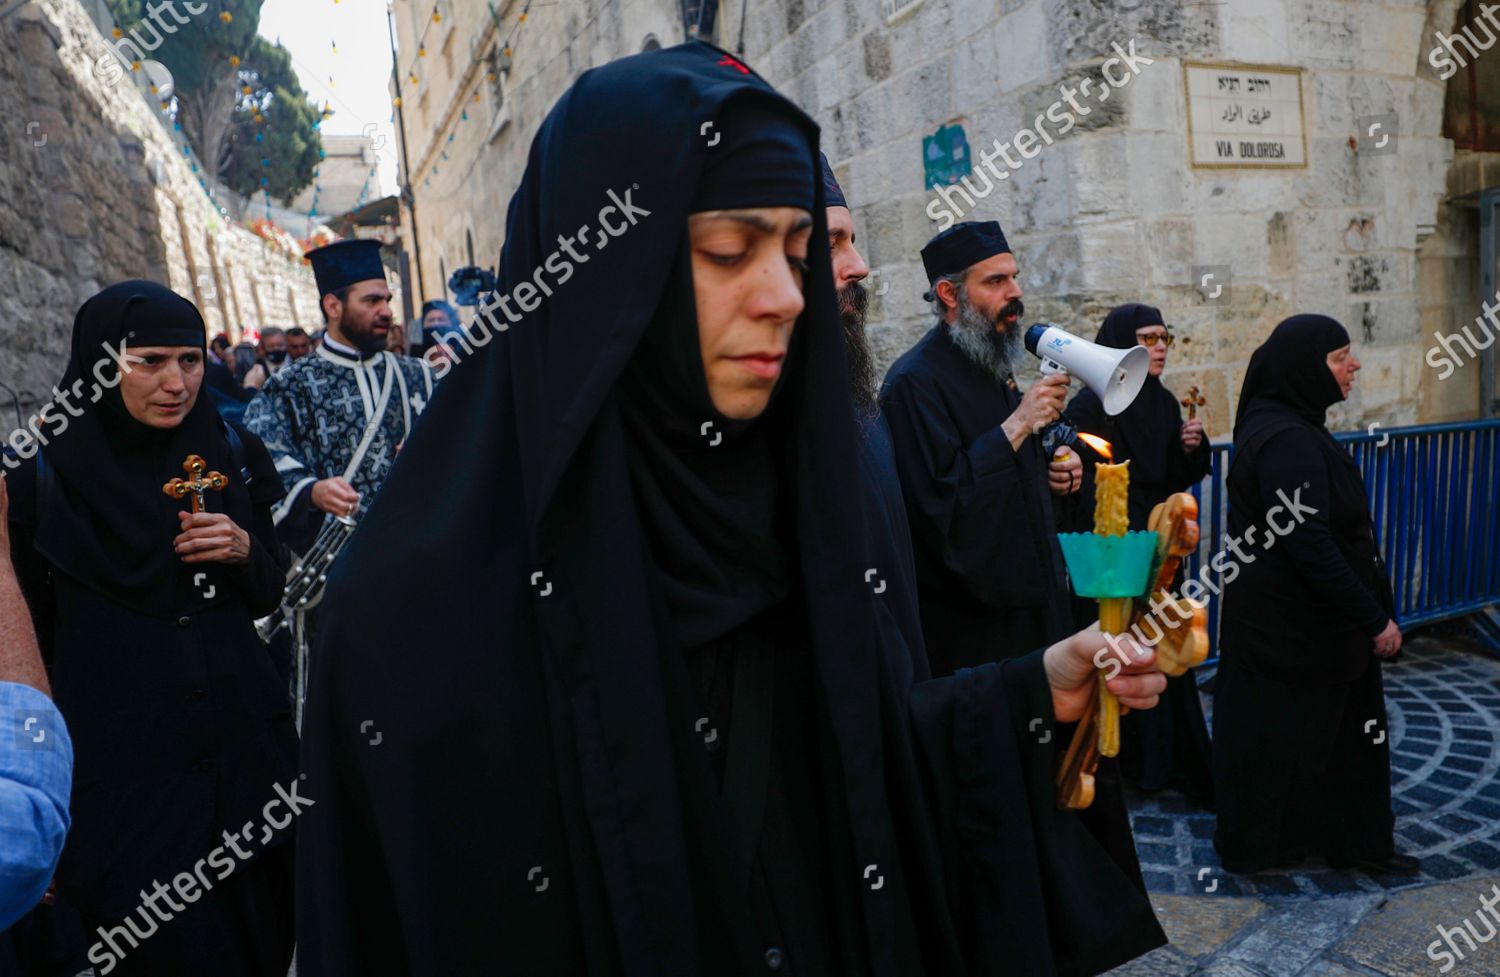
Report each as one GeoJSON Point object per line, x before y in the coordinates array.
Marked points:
{"type": "Point", "coordinates": [1192, 402]}
{"type": "Point", "coordinates": [197, 483]}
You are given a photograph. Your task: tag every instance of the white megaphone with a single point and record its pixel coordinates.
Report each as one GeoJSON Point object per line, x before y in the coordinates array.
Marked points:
{"type": "Point", "coordinates": [1116, 375]}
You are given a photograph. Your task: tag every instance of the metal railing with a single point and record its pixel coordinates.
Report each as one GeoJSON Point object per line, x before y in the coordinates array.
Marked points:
{"type": "Point", "coordinates": [1434, 491]}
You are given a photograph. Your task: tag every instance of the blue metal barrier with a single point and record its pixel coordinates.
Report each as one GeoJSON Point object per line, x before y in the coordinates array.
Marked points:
{"type": "Point", "coordinates": [1434, 490]}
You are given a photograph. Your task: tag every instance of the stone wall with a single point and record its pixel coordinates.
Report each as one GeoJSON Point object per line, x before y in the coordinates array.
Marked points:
{"type": "Point", "coordinates": [1109, 212]}
{"type": "Point", "coordinates": [96, 191]}
{"type": "Point", "coordinates": [462, 185]}
{"type": "Point", "coordinates": [1113, 211]}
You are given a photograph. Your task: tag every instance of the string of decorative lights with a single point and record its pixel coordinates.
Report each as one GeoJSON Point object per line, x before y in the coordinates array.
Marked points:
{"type": "Point", "coordinates": [507, 47]}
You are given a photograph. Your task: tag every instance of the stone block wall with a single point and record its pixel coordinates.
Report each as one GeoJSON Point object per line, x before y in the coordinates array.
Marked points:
{"type": "Point", "coordinates": [1109, 212]}
{"type": "Point", "coordinates": [462, 188]}
{"type": "Point", "coordinates": [1112, 211]}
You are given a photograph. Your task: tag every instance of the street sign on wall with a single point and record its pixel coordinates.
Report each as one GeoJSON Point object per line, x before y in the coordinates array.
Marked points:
{"type": "Point", "coordinates": [1244, 115]}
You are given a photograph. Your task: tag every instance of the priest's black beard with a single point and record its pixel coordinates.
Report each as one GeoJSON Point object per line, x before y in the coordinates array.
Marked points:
{"type": "Point", "coordinates": [975, 336]}
{"type": "Point", "coordinates": [366, 342]}
{"type": "Point", "coordinates": [853, 304]}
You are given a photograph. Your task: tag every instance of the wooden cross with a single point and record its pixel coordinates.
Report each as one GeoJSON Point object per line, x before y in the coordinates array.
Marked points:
{"type": "Point", "coordinates": [1192, 402]}
{"type": "Point", "coordinates": [198, 482]}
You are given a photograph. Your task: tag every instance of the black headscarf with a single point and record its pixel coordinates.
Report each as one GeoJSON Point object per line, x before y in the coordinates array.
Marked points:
{"type": "Point", "coordinates": [1289, 374]}
{"type": "Point", "coordinates": [1148, 429]}
{"type": "Point", "coordinates": [554, 499]}
{"type": "Point", "coordinates": [708, 488]}
{"type": "Point", "coordinates": [109, 525]}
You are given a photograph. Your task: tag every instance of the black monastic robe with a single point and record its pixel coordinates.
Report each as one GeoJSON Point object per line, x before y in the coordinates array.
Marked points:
{"type": "Point", "coordinates": [990, 573]}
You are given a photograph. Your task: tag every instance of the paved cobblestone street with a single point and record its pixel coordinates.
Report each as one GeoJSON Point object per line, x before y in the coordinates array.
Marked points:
{"type": "Point", "coordinates": [1443, 702]}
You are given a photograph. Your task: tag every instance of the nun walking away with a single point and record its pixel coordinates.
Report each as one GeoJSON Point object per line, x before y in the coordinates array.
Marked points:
{"type": "Point", "coordinates": [1297, 770]}
{"type": "Point", "coordinates": [1167, 746]}
{"type": "Point", "coordinates": [671, 727]}
{"type": "Point", "coordinates": [181, 728]}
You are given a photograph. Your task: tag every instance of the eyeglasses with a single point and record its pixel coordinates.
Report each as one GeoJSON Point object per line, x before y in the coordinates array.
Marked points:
{"type": "Point", "coordinates": [1165, 338]}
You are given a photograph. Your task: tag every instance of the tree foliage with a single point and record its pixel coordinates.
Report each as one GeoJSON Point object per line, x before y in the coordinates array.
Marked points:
{"type": "Point", "coordinates": [274, 143]}
{"type": "Point", "coordinates": [231, 84]}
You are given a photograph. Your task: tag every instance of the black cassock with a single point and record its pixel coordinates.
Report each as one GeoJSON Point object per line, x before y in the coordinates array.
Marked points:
{"type": "Point", "coordinates": [1299, 769]}
{"type": "Point", "coordinates": [182, 730]}
{"type": "Point", "coordinates": [560, 785]}
{"type": "Point", "coordinates": [877, 462]}
{"type": "Point", "coordinates": [989, 569]}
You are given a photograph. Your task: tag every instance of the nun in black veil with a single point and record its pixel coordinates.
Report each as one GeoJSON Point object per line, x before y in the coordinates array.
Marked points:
{"type": "Point", "coordinates": [1167, 746]}
{"type": "Point", "coordinates": [1298, 769]}
{"type": "Point", "coordinates": [669, 727]}
{"type": "Point", "coordinates": [1166, 453]}
{"type": "Point", "coordinates": [180, 721]}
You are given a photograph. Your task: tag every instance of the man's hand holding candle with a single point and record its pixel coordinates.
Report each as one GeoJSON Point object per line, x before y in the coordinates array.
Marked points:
{"type": "Point", "coordinates": [1065, 473]}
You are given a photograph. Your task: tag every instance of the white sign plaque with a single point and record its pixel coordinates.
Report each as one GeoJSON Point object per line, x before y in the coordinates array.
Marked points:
{"type": "Point", "coordinates": [1244, 115]}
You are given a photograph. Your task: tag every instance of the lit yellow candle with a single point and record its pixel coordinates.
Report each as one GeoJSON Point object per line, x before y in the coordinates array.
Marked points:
{"type": "Point", "coordinates": [1111, 499]}
{"type": "Point", "coordinates": [1111, 518]}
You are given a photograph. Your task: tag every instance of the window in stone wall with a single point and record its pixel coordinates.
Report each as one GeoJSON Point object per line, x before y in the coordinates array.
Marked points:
{"type": "Point", "coordinates": [497, 66]}
{"type": "Point", "coordinates": [1471, 106]}
{"type": "Point", "coordinates": [894, 9]}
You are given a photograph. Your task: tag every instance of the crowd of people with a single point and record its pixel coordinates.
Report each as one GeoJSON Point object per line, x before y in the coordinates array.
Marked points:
{"type": "Point", "coordinates": [235, 373]}
{"type": "Point", "coordinates": [711, 656]}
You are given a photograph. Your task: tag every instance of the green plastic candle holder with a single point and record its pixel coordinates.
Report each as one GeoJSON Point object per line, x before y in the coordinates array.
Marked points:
{"type": "Point", "coordinates": [1109, 566]}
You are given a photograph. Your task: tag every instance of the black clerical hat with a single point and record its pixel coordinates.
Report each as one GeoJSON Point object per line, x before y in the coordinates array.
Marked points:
{"type": "Point", "coordinates": [833, 194]}
{"type": "Point", "coordinates": [343, 263]}
{"type": "Point", "coordinates": [961, 246]}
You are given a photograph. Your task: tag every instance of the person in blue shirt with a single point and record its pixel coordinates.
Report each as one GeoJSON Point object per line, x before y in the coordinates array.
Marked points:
{"type": "Point", "coordinates": [36, 756]}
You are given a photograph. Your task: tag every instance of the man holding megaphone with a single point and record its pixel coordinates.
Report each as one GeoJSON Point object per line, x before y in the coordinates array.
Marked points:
{"type": "Point", "coordinates": [976, 480]}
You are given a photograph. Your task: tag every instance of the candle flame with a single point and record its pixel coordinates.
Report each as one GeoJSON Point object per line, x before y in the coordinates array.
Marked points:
{"type": "Point", "coordinates": [1098, 444]}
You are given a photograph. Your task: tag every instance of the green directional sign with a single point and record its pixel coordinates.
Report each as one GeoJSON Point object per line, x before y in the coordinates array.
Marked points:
{"type": "Point", "coordinates": [945, 156]}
